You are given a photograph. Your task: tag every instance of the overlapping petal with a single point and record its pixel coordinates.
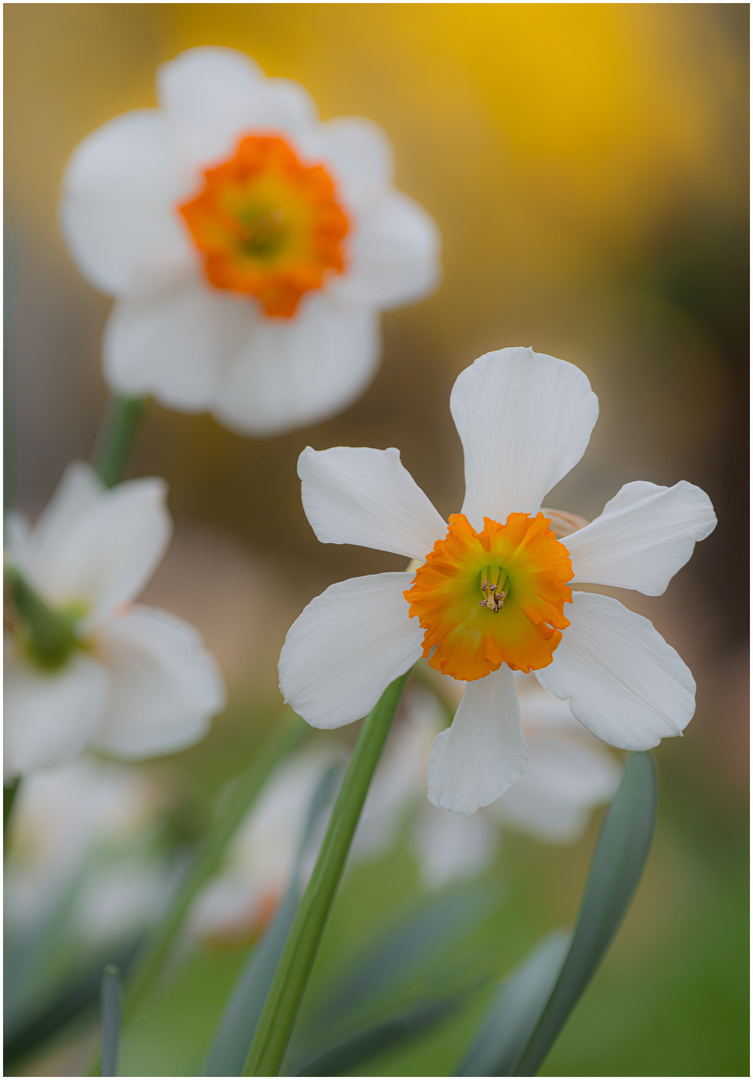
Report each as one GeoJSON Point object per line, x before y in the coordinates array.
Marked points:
{"type": "Point", "coordinates": [357, 149]}
{"type": "Point", "coordinates": [174, 337]}
{"type": "Point", "coordinates": [212, 96]}
{"type": "Point", "coordinates": [524, 419]}
{"type": "Point", "coordinates": [293, 372]}
{"type": "Point", "coordinates": [164, 686]}
{"type": "Point", "coordinates": [621, 678]}
{"type": "Point", "coordinates": [105, 557]}
{"type": "Point", "coordinates": [644, 535]}
{"type": "Point", "coordinates": [484, 752]}
{"type": "Point", "coordinates": [394, 253]}
{"type": "Point", "coordinates": [356, 495]}
{"type": "Point", "coordinates": [346, 647]}
{"type": "Point", "coordinates": [564, 780]}
{"type": "Point", "coordinates": [50, 715]}
{"type": "Point", "coordinates": [118, 189]}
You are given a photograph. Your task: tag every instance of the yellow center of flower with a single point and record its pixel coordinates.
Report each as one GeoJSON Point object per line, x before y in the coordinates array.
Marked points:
{"type": "Point", "coordinates": [492, 598]}
{"type": "Point", "coordinates": [267, 225]}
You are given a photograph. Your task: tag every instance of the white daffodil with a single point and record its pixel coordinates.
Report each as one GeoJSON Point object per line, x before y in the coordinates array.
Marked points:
{"type": "Point", "coordinates": [489, 595]}
{"type": "Point", "coordinates": [84, 666]}
{"type": "Point", "coordinates": [569, 773]}
{"type": "Point", "coordinates": [243, 898]}
{"type": "Point", "coordinates": [249, 246]}
{"type": "Point", "coordinates": [69, 823]}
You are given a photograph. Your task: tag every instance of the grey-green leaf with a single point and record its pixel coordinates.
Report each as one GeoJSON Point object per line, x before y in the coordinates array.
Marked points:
{"type": "Point", "coordinates": [380, 1037]}
{"type": "Point", "coordinates": [616, 869]}
{"type": "Point", "coordinates": [515, 1011]}
{"type": "Point", "coordinates": [111, 1019]}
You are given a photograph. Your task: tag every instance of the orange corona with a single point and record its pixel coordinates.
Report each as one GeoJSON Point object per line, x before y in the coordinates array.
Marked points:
{"type": "Point", "coordinates": [268, 225]}
{"type": "Point", "coordinates": [492, 597]}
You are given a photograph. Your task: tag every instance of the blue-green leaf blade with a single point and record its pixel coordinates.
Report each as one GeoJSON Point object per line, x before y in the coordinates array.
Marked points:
{"type": "Point", "coordinates": [616, 869]}
{"type": "Point", "coordinates": [112, 1011]}
{"type": "Point", "coordinates": [379, 1037]}
{"type": "Point", "coordinates": [517, 1007]}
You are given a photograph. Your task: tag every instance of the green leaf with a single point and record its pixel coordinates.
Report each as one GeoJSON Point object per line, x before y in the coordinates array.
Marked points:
{"type": "Point", "coordinates": [379, 1037]}
{"type": "Point", "coordinates": [620, 857]}
{"type": "Point", "coordinates": [74, 1001]}
{"type": "Point", "coordinates": [240, 1017]}
{"type": "Point", "coordinates": [294, 969]}
{"type": "Point", "coordinates": [111, 1019]}
{"type": "Point", "coordinates": [396, 955]}
{"type": "Point", "coordinates": [513, 1015]}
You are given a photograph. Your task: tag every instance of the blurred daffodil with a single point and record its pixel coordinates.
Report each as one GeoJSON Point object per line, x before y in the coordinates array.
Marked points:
{"type": "Point", "coordinates": [489, 595]}
{"type": "Point", "coordinates": [249, 246]}
{"type": "Point", "coordinates": [569, 774]}
{"type": "Point", "coordinates": [84, 666]}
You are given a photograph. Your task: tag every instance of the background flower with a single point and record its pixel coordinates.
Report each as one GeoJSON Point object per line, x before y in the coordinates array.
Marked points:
{"type": "Point", "coordinates": [249, 246]}
{"type": "Point", "coordinates": [569, 773]}
{"type": "Point", "coordinates": [131, 680]}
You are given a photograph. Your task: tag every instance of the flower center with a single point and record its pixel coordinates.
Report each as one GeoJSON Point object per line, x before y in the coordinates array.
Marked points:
{"type": "Point", "coordinates": [492, 598]}
{"type": "Point", "coordinates": [267, 225]}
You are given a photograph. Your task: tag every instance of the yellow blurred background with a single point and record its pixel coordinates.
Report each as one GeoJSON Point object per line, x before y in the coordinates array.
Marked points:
{"type": "Point", "coordinates": [587, 165]}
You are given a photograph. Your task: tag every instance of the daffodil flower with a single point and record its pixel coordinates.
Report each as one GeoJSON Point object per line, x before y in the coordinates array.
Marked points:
{"type": "Point", "coordinates": [249, 246]}
{"type": "Point", "coordinates": [492, 593]}
{"type": "Point", "coordinates": [83, 665]}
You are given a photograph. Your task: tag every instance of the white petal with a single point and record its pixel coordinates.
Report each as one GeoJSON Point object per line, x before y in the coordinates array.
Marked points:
{"type": "Point", "coordinates": [119, 188]}
{"type": "Point", "coordinates": [346, 647]}
{"type": "Point", "coordinates": [393, 255]}
{"type": "Point", "coordinates": [172, 336]}
{"type": "Point", "coordinates": [165, 687]}
{"type": "Point", "coordinates": [214, 96]}
{"type": "Point", "coordinates": [524, 419]}
{"type": "Point", "coordinates": [17, 537]}
{"type": "Point", "coordinates": [106, 557]}
{"type": "Point", "coordinates": [356, 495]}
{"type": "Point", "coordinates": [292, 372]}
{"type": "Point", "coordinates": [621, 678]}
{"type": "Point", "coordinates": [564, 780]}
{"type": "Point", "coordinates": [356, 152]}
{"type": "Point", "coordinates": [77, 492]}
{"type": "Point", "coordinates": [483, 753]}
{"type": "Point", "coordinates": [453, 846]}
{"type": "Point", "coordinates": [50, 717]}
{"type": "Point", "coordinates": [642, 537]}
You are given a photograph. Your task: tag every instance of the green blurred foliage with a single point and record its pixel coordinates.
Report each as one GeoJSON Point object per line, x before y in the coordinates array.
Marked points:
{"type": "Point", "coordinates": [588, 167]}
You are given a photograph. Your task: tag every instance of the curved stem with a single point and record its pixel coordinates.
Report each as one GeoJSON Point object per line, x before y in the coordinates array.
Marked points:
{"type": "Point", "coordinates": [294, 969]}
{"type": "Point", "coordinates": [120, 426]}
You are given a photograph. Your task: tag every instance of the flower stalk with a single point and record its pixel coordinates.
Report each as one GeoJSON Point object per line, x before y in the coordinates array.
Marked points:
{"type": "Point", "coordinates": [294, 969]}
{"type": "Point", "coordinates": [48, 636]}
{"type": "Point", "coordinates": [120, 426]}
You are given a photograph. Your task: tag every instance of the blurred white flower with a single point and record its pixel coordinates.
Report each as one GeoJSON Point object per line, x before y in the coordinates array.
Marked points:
{"type": "Point", "coordinates": [244, 896]}
{"type": "Point", "coordinates": [249, 246]}
{"type": "Point", "coordinates": [79, 827]}
{"type": "Point", "coordinates": [483, 604]}
{"type": "Point", "coordinates": [569, 774]}
{"type": "Point", "coordinates": [84, 666]}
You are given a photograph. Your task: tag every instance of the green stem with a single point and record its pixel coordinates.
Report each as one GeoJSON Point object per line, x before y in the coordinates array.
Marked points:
{"type": "Point", "coordinates": [247, 787]}
{"type": "Point", "coordinates": [10, 791]}
{"type": "Point", "coordinates": [120, 426]}
{"type": "Point", "coordinates": [294, 969]}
